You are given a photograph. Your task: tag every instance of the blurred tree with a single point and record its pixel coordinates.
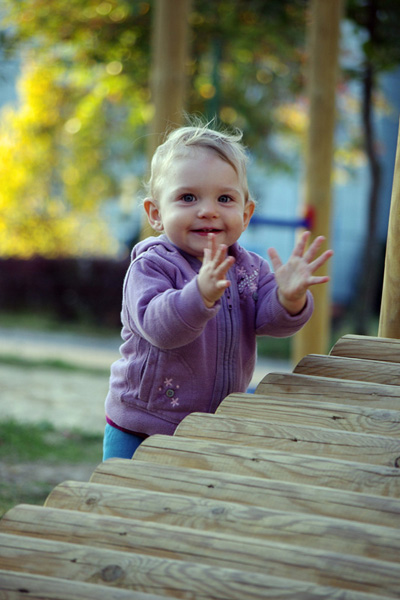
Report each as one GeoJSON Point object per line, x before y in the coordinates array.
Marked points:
{"type": "Point", "coordinates": [248, 66]}
{"type": "Point", "coordinates": [85, 103]}
{"type": "Point", "coordinates": [81, 123]}
{"type": "Point", "coordinates": [50, 187]}
{"type": "Point", "coordinates": [379, 24]}
{"type": "Point", "coordinates": [78, 112]}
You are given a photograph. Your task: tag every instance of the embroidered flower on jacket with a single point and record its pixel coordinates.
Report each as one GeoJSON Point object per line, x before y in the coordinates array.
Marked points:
{"type": "Point", "coordinates": [247, 282]}
{"type": "Point", "coordinates": [253, 286]}
{"type": "Point", "coordinates": [169, 390]}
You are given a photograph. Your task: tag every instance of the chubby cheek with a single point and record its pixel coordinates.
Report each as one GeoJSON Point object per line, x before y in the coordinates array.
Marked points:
{"type": "Point", "coordinates": [241, 221]}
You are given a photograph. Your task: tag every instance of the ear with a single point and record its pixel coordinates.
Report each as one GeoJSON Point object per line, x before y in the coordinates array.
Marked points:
{"type": "Point", "coordinates": [153, 214]}
{"type": "Point", "coordinates": [248, 213]}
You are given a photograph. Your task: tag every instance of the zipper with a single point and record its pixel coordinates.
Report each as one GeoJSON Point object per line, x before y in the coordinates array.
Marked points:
{"type": "Point", "coordinates": [226, 341]}
{"type": "Point", "coordinates": [230, 346]}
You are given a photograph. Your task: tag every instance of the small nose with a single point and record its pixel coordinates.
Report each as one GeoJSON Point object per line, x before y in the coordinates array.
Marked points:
{"type": "Point", "coordinates": [208, 208]}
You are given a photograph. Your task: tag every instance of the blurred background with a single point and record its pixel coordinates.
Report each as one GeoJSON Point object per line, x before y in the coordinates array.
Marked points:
{"type": "Point", "coordinates": [77, 114]}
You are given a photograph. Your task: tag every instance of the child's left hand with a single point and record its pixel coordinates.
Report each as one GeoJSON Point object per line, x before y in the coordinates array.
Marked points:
{"type": "Point", "coordinates": [296, 276]}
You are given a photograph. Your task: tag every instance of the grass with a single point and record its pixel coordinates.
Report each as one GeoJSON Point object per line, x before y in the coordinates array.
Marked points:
{"type": "Point", "coordinates": [30, 492]}
{"type": "Point", "coordinates": [30, 442]}
{"type": "Point", "coordinates": [36, 444]}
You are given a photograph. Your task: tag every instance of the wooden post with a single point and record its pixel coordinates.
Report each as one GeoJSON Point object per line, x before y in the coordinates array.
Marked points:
{"type": "Point", "coordinates": [324, 35]}
{"type": "Point", "coordinates": [169, 44]}
{"type": "Point", "coordinates": [389, 321]}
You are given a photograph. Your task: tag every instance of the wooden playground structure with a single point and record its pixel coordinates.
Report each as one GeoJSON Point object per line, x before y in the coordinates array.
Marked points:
{"type": "Point", "coordinates": [291, 492]}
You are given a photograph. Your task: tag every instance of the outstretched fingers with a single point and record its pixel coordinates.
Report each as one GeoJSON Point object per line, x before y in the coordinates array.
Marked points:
{"type": "Point", "coordinates": [275, 258]}
{"type": "Point", "coordinates": [313, 249]}
{"type": "Point", "coordinates": [221, 269]}
{"type": "Point", "coordinates": [212, 278]}
{"type": "Point", "coordinates": [311, 254]}
{"type": "Point", "coordinates": [315, 260]}
{"type": "Point", "coordinates": [297, 274]}
{"type": "Point", "coordinates": [218, 256]}
{"type": "Point", "coordinates": [213, 252]}
{"type": "Point", "coordinates": [321, 260]}
{"type": "Point", "coordinates": [301, 244]}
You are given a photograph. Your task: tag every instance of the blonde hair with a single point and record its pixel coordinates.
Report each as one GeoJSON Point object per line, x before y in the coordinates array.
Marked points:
{"type": "Point", "coordinates": [226, 145]}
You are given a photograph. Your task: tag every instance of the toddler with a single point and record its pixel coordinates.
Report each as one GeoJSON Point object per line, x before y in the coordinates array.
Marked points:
{"type": "Point", "coordinates": [194, 300]}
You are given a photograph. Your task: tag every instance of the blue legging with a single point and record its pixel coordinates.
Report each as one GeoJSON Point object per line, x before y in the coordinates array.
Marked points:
{"type": "Point", "coordinates": [118, 444]}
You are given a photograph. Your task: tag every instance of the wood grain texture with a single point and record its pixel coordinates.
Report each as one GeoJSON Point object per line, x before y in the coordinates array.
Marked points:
{"type": "Point", "coordinates": [209, 486]}
{"type": "Point", "coordinates": [209, 571]}
{"type": "Point", "coordinates": [185, 514]}
{"type": "Point", "coordinates": [164, 576]}
{"type": "Point", "coordinates": [356, 369]}
{"type": "Point", "coordinates": [292, 492]}
{"type": "Point", "coordinates": [297, 439]}
{"type": "Point", "coordinates": [324, 389]}
{"type": "Point", "coordinates": [256, 462]}
{"type": "Point", "coordinates": [25, 586]}
{"type": "Point", "coordinates": [367, 348]}
{"type": "Point", "coordinates": [329, 415]}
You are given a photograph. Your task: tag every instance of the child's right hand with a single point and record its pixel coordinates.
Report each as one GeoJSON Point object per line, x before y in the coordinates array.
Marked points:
{"type": "Point", "coordinates": [211, 279]}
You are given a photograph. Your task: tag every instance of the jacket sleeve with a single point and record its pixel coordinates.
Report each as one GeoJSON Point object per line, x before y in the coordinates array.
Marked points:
{"type": "Point", "coordinates": [165, 316]}
{"type": "Point", "coordinates": [271, 317]}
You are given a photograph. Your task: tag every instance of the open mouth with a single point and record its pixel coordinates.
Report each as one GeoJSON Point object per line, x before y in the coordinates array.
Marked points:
{"type": "Point", "coordinates": [206, 230]}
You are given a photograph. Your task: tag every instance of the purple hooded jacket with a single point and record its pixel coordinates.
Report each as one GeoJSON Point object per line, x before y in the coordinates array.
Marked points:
{"type": "Point", "coordinates": [177, 355]}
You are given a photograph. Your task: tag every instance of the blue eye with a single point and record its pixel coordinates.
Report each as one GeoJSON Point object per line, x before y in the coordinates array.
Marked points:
{"type": "Point", "coordinates": [224, 199]}
{"type": "Point", "coordinates": [188, 198]}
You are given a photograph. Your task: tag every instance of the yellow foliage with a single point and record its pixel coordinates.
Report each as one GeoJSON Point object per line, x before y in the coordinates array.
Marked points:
{"type": "Point", "coordinates": [293, 117]}
{"type": "Point", "coordinates": [49, 201]}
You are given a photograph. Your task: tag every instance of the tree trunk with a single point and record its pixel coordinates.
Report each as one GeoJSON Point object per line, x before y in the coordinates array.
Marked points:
{"type": "Point", "coordinates": [168, 78]}
{"type": "Point", "coordinates": [370, 266]}
{"type": "Point", "coordinates": [324, 38]}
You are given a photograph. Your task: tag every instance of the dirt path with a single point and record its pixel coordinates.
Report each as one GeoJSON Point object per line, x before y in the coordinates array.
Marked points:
{"type": "Point", "coordinates": [67, 399]}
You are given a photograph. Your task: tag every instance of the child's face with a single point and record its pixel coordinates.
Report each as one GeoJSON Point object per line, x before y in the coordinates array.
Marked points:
{"type": "Point", "coordinates": [200, 193]}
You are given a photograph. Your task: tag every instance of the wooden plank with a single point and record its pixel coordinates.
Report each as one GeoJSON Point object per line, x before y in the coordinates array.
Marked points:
{"type": "Point", "coordinates": [328, 415]}
{"type": "Point", "coordinates": [298, 439]}
{"type": "Point", "coordinates": [133, 489]}
{"type": "Point", "coordinates": [24, 586]}
{"type": "Point", "coordinates": [163, 576]}
{"type": "Point", "coordinates": [367, 348]}
{"type": "Point", "coordinates": [324, 389]}
{"type": "Point", "coordinates": [212, 567]}
{"type": "Point", "coordinates": [256, 462]}
{"type": "Point", "coordinates": [355, 369]}
{"type": "Point", "coordinates": [254, 523]}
